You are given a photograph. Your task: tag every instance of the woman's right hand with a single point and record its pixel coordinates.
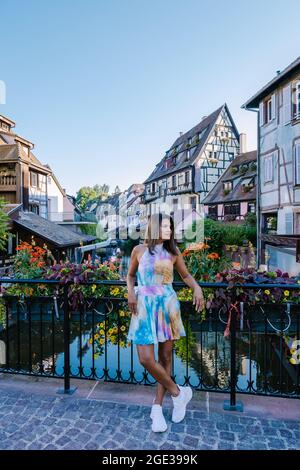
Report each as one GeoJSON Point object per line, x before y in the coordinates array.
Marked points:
{"type": "Point", "coordinates": [132, 302]}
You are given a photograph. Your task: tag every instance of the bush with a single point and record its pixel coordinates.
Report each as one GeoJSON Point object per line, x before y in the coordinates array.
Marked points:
{"type": "Point", "coordinates": [250, 219]}
{"type": "Point", "coordinates": [88, 229]}
{"type": "Point", "coordinates": [217, 234]}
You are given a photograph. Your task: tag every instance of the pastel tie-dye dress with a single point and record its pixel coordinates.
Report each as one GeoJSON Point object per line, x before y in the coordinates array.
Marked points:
{"type": "Point", "coordinates": [158, 317]}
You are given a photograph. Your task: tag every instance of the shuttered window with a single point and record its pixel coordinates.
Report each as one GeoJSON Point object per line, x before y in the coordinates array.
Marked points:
{"type": "Point", "coordinates": [267, 110]}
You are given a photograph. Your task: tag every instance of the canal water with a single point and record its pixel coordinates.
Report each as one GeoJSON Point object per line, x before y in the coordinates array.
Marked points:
{"type": "Point", "coordinates": [203, 357]}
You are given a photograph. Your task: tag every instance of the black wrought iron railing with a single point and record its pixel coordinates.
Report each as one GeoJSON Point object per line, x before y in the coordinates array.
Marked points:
{"type": "Point", "coordinates": [46, 336]}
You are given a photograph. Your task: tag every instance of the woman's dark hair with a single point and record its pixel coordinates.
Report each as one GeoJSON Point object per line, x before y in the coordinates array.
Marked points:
{"type": "Point", "coordinates": [152, 233]}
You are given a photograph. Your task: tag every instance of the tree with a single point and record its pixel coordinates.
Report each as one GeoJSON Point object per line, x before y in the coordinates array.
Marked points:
{"type": "Point", "coordinates": [89, 193]}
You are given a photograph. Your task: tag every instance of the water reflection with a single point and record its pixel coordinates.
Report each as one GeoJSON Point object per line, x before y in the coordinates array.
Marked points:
{"type": "Point", "coordinates": [36, 343]}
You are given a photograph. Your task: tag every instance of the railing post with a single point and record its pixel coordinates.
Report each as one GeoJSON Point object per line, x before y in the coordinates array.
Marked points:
{"type": "Point", "coordinates": [67, 388]}
{"type": "Point", "coordinates": [232, 404]}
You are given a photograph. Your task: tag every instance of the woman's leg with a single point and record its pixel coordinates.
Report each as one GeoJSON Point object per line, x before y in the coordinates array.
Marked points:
{"type": "Point", "coordinates": [165, 350]}
{"type": "Point", "coordinates": [147, 359]}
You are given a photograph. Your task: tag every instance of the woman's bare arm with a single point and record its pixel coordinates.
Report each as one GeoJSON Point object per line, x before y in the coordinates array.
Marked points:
{"type": "Point", "coordinates": [130, 280]}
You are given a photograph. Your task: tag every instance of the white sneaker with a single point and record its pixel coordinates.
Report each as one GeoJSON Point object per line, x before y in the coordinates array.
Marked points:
{"type": "Point", "coordinates": [180, 402]}
{"type": "Point", "coordinates": [158, 420]}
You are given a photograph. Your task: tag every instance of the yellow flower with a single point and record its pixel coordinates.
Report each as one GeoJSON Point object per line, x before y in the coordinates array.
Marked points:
{"type": "Point", "coordinates": [102, 341]}
{"type": "Point", "coordinates": [101, 332]}
{"type": "Point", "coordinates": [122, 314]}
{"type": "Point", "coordinates": [298, 282]}
{"type": "Point", "coordinates": [114, 291]}
{"type": "Point", "coordinates": [123, 328]}
{"type": "Point", "coordinates": [96, 336]}
{"type": "Point", "coordinates": [101, 325]}
{"type": "Point", "coordinates": [94, 287]}
{"type": "Point", "coordinates": [115, 329]}
{"type": "Point", "coordinates": [96, 356]}
{"type": "Point", "coordinates": [122, 344]}
{"type": "Point", "coordinates": [286, 293]}
{"type": "Point", "coordinates": [90, 341]}
{"type": "Point", "coordinates": [267, 292]}
{"type": "Point", "coordinates": [110, 331]}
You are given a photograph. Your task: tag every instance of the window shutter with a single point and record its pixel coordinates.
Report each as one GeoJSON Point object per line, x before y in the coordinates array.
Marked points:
{"type": "Point", "coordinates": [261, 113]}
{"type": "Point", "coordinates": [273, 105]}
{"type": "Point", "coordinates": [268, 168]}
{"type": "Point", "coordinates": [297, 163]}
{"type": "Point", "coordinates": [272, 164]}
{"type": "Point", "coordinates": [295, 100]}
{"type": "Point", "coordinates": [289, 223]}
{"type": "Point", "coordinates": [266, 164]}
{"type": "Point", "coordinates": [287, 104]}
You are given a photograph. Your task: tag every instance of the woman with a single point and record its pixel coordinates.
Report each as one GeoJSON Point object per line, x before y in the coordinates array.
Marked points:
{"type": "Point", "coordinates": [156, 317]}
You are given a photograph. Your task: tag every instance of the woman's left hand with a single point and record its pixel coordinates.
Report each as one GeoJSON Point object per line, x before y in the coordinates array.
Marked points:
{"type": "Point", "coordinates": [198, 299]}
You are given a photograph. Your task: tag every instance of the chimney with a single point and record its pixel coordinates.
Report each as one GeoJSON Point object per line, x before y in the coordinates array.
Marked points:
{"type": "Point", "coordinates": [180, 133]}
{"type": "Point", "coordinates": [243, 143]}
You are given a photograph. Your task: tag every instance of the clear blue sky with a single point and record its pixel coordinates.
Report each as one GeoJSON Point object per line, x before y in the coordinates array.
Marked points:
{"type": "Point", "coordinates": [103, 87]}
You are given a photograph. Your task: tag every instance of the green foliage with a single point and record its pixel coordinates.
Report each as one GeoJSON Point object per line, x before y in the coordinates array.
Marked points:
{"type": "Point", "coordinates": [213, 232]}
{"type": "Point", "coordinates": [88, 229]}
{"type": "Point", "coordinates": [202, 264]}
{"type": "Point", "coordinates": [237, 234]}
{"type": "Point", "coordinates": [4, 219]}
{"type": "Point", "coordinates": [250, 219]}
{"type": "Point", "coordinates": [219, 234]}
{"type": "Point", "coordinates": [184, 346]}
{"type": "Point", "coordinates": [2, 314]}
{"type": "Point", "coordinates": [88, 193]}
{"type": "Point", "coordinates": [129, 245]}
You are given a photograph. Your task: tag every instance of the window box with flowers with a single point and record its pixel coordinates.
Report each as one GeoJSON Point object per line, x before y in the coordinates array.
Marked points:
{"type": "Point", "coordinates": [247, 187]}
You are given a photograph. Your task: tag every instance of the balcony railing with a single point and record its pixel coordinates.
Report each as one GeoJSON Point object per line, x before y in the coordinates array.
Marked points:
{"type": "Point", "coordinates": [43, 336]}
